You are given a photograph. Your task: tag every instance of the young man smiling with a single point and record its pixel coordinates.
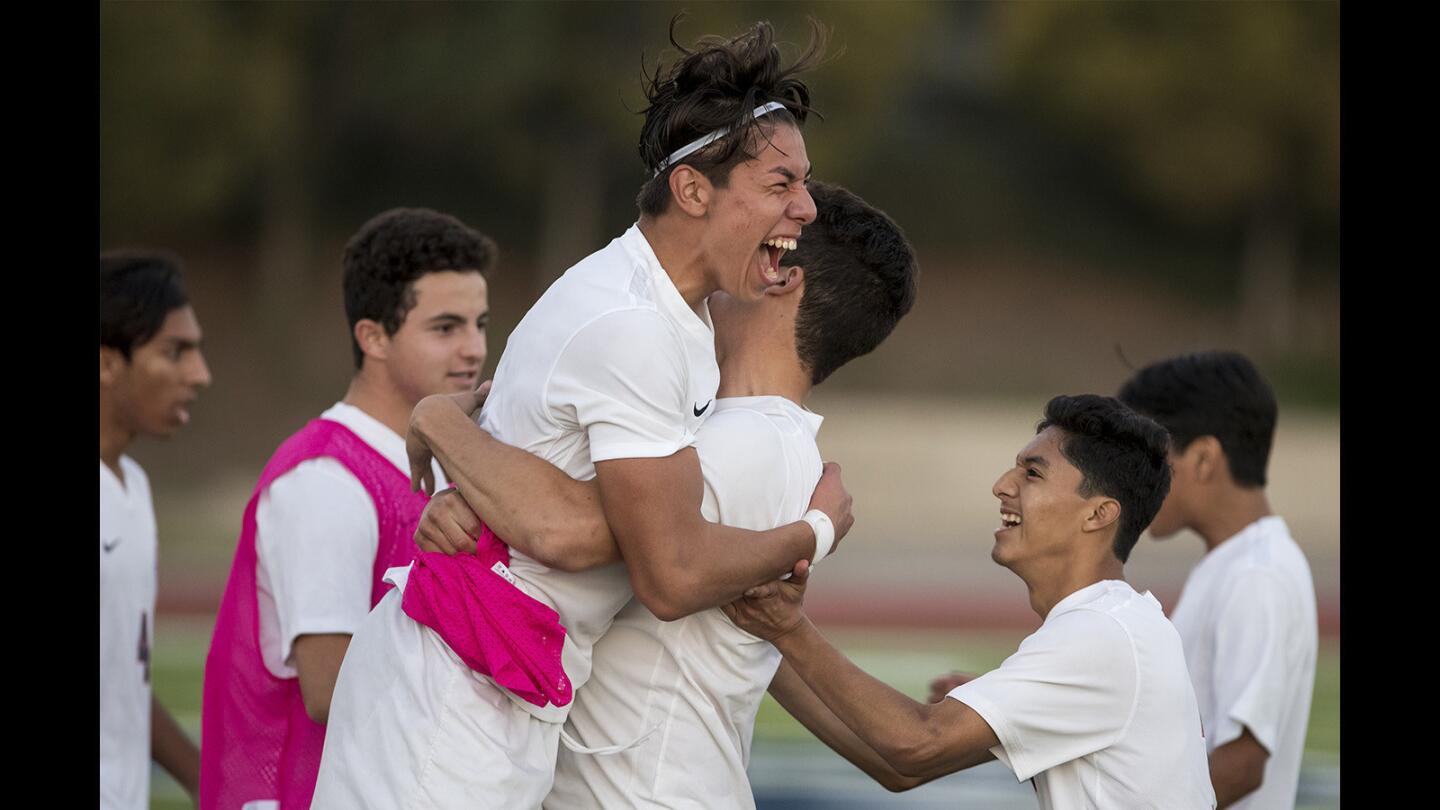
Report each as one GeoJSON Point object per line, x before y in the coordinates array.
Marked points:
{"type": "Point", "coordinates": [608, 376]}
{"type": "Point", "coordinates": [151, 369]}
{"type": "Point", "coordinates": [333, 509]}
{"type": "Point", "coordinates": [1096, 706]}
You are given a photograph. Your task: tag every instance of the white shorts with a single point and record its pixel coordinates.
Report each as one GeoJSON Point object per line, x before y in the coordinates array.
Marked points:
{"type": "Point", "coordinates": [411, 726]}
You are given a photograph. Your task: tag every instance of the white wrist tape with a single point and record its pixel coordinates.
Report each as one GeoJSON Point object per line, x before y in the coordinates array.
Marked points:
{"type": "Point", "coordinates": [824, 534]}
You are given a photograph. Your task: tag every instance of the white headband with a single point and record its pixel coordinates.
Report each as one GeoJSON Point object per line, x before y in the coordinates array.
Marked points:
{"type": "Point", "coordinates": [701, 143]}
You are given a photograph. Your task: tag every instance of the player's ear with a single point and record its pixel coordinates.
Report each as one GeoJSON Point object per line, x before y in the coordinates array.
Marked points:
{"type": "Point", "coordinates": [1104, 512]}
{"type": "Point", "coordinates": [792, 278]}
{"type": "Point", "coordinates": [371, 338]}
{"type": "Point", "coordinates": [691, 189]}
{"type": "Point", "coordinates": [112, 363]}
{"type": "Point", "coordinates": [1206, 458]}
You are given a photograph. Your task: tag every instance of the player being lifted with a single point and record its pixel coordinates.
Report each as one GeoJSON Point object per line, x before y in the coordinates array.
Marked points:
{"type": "Point", "coordinates": [697, 681]}
{"type": "Point", "coordinates": [608, 376]}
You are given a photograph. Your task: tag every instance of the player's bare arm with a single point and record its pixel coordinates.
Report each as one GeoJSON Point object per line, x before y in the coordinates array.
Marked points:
{"type": "Point", "coordinates": [173, 749]}
{"type": "Point", "coordinates": [1237, 769]}
{"type": "Point", "coordinates": [317, 662]}
{"type": "Point", "coordinates": [531, 504]}
{"type": "Point", "coordinates": [920, 740]}
{"type": "Point", "coordinates": [800, 701]}
{"type": "Point", "coordinates": [680, 563]}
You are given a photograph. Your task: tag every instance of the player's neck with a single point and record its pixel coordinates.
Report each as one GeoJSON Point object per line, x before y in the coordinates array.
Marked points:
{"type": "Point", "coordinates": [1062, 577]}
{"type": "Point", "coordinates": [379, 400]}
{"type": "Point", "coordinates": [675, 248]}
{"type": "Point", "coordinates": [1238, 509]}
{"type": "Point", "coordinates": [756, 355]}
{"type": "Point", "coordinates": [114, 438]}
{"type": "Point", "coordinates": [741, 379]}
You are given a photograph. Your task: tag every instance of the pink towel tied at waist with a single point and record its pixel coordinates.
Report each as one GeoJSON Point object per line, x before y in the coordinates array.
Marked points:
{"type": "Point", "coordinates": [497, 629]}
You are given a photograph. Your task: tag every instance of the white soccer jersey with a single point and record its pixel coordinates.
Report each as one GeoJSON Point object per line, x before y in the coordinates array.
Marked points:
{"type": "Point", "coordinates": [609, 363]}
{"type": "Point", "coordinates": [694, 684]}
{"type": "Point", "coordinates": [1247, 619]}
{"type": "Point", "coordinates": [316, 534]}
{"type": "Point", "coordinates": [127, 613]}
{"type": "Point", "coordinates": [1096, 706]}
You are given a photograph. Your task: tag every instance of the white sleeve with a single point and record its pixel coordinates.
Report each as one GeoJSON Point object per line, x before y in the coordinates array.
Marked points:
{"type": "Point", "coordinates": [1253, 672]}
{"type": "Point", "coordinates": [316, 535]}
{"type": "Point", "coordinates": [625, 377]}
{"type": "Point", "coordinates": [1069, 691]}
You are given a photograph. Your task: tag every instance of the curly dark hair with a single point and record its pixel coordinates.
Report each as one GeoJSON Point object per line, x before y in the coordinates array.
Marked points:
{"type": "Point", "coordinates": [718, 86]}
{"type": "Point", "coordinates": [1121, 454]}
{"type": "Point", "coordinates": [859, 280]}
{"type": "Point", "coordinates": [385, 257]}
{"type": "Point", "coordinates": [138, 289]}
{"type": "Point", "coordinates": [1213, 393]}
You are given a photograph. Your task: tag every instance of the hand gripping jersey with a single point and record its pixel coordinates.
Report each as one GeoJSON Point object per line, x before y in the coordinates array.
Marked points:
{"type": "Point", "coordinates": [257, 742]}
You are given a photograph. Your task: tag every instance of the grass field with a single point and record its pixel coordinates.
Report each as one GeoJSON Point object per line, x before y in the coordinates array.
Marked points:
{"type": "Point", "coordinates": [904, 659]}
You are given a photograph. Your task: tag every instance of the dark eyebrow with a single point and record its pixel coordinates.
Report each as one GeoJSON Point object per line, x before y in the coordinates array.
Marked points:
{"type": "Point", "coordinates": [445, 317]}
{"type": "Point", "coordinates": [789, 175]}
{"type": "Point", "coordinates": [1038, 461]}
{"type": "Point", "coordinates": [184, 343]}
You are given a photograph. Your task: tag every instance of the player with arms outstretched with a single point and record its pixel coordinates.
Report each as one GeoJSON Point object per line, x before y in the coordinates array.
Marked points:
{"type": "Point", "coordinates": [1096, 706]}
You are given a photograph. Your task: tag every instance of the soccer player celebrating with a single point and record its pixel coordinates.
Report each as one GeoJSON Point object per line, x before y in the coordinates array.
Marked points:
{"type": "Point", "coordinates": [333, 509]}
{"type": "Point", "coordinates": [692, 687]}
{"type": "Point", "coordinates": [1247, 613]}
{"type": "Point", "coordinates": [151, 370]}
{"type": "Point", "coordinates": [1096, 706]}
{"type": "Point", "coordinates": [608, 376]}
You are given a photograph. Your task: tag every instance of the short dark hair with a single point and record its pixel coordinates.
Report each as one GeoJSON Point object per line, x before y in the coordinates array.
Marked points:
{"type": "Point", "coordinates": [1120, 453]}
{"type": "Point", "coordinates": [1213, 393]}
{"type": "Point", "coordinates": [719, 85]}
{"type": "Point", "coordinates": [385, 257]}
{"type": "Point", "coordinates": [138, 289]}
{"type": "Point", "coordinates": [859, 280]}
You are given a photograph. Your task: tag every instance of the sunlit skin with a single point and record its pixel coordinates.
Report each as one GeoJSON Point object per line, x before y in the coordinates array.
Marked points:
{"type": "Point", "coordinates": [710, 237]}
{"type": "Point", "coordinates": [440, 348]}
{"type": "Point", "coordinates": [150, 393]}
{"type": "Point", "coordinates": [1063, 541]}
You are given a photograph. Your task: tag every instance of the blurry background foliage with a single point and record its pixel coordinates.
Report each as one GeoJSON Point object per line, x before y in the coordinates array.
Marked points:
{"type": "Point", "coordinates": [1081, 180]}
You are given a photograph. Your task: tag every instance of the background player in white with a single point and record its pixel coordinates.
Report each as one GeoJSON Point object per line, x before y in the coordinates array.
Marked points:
{"type": "Point", "coordinates": [151, 369]}
{"type": "Point", "coordinates": [1247, 613]}
{"type": "Point", "coordinates": [416, 301]}
{"type": "Point", "coordinates": [1096, 706]}
{"type": "Point", "coordinates": [608, 376]}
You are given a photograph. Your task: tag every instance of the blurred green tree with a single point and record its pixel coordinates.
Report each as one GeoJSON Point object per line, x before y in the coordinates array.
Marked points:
{"type": "Point", "coordinates": [1222, 114]}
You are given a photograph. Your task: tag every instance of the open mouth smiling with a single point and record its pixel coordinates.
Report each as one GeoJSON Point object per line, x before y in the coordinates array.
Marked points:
{"type": "Point", "coordinates": [775, 247]}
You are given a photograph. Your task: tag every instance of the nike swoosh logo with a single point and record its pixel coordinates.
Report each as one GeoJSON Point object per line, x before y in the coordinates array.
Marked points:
{"type": "Point", "coordinates": [110, 546]}
{"type": "Point", "coordinates": [699, 411]}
